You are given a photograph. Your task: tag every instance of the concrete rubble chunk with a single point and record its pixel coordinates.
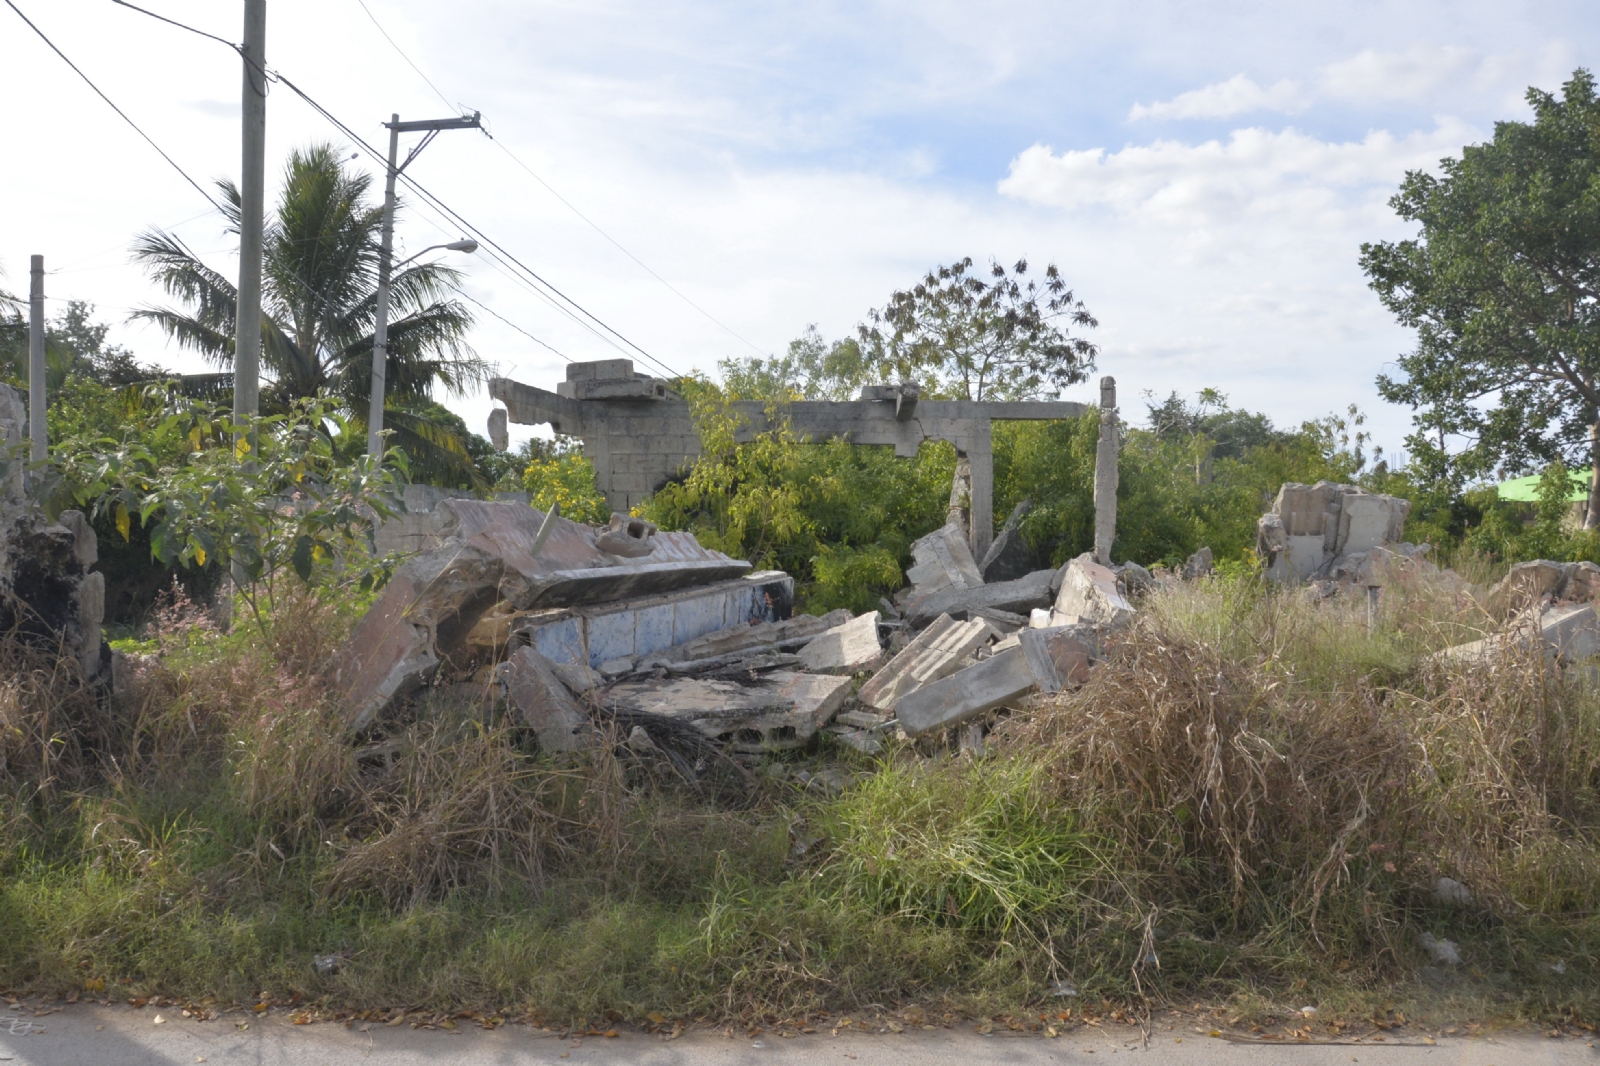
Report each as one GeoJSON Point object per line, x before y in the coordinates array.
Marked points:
{"type": "Point", "coordinates": [1089, 592]}
{"type": "Point", "coordinates": [1003, 621]}
{"type": "Point", "coordinates": [1017, 597]}
{"type": "Point", "coordinates": [1200, 564]}
{"type": "Point", "coordinates": [846, 649]}
{"type": "Point", "coordinates": [941, 649]}
{"type": "Point", "coordinates": [788, 631]}
{"type": "Point", "coordinates": [1059, 656]}
{"type": "Point", "coordinates": [578, 676]}
{"type": "Point", "coordinates": [1527, 585]}
{"type": "Point", "coordinates": [942, 560]}
{"type": "Point", "coordinates": [543, 703]}
{"type": "Point", "coordinates": [1583, 582]}
{"type": "Point", "coordinates": [778, 710]}
{"type": "Point", "coordinates": [995, 682]}
{"type": "Point", "coordinates": [1310, 527]}
{"type": "Point", "coordinates": [1570, 633]}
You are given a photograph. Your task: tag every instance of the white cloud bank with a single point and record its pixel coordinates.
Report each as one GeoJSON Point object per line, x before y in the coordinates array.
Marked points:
{"type": "Point", "coordinates": [1224, 99]}
{"type": "Point", "coordinates": [1448, 76]}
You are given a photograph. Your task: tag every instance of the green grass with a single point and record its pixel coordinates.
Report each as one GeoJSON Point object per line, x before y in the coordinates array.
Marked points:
{"type": "Point", "coordinates": [1247, 805]}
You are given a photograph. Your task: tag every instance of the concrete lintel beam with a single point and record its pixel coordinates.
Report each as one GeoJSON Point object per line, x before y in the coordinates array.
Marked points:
{"type": "Point", "coordinates": [530, 406]}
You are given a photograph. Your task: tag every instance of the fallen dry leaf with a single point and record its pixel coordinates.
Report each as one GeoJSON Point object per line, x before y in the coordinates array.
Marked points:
{"type": "Point", "coordinates": [159, 1020]}
{"type": "Point", "coordinates": [656, 1018]}
{"type": "Point", "coordinates": [611, 1032]}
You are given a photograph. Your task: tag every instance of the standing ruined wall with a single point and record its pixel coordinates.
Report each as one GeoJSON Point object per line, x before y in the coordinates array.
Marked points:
{"type": "Point", "coordinates": [49, 596]}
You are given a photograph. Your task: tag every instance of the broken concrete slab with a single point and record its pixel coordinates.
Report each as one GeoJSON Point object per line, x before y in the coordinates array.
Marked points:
{"type": "Point", "coordinates": [1089, 592]}
{"type": "Point", "coordinates": [1059, 656]}
{"type": "Point", "coordinates": [997, 681]}
{"type": "Point", "coordinates": [542, 702]}
{"type": "Point", "coordinates": [942, 560]}
{"type": "Point", "coordinates": [846, 649]}
{"type": "Point", "coordinates": [1572, 632]}
{"type": "Point", "coordinates": [779, 710]}
{"type": "Point", "coordinates": [742, 635]}
{"type": "Point", "coordinates": [1002, 621]}
{"type": "Point", "coordinates": [1017, 597]}
{"type": "Point", "coordinates": [395, 647]}
{"type": "Point", "coordinates": [941, 649]}
{"type": "Point", "coordinates": [569, 569]}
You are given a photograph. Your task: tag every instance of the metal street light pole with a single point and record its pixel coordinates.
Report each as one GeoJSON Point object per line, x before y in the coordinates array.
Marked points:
{"type": "Point", "coordinates": [380, 329]}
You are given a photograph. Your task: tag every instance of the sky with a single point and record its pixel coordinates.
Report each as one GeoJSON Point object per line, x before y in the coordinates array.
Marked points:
{"type": "Point", "coordinates": [709, 179]}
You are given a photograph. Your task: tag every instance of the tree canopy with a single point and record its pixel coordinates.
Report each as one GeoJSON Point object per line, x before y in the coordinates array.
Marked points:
{"type": "Point", "coordinates": [319, 296]}
{"type": "Point", "coordinates": [1503, 289]}
{"type": "Point", "coordinates": [1002, 339]}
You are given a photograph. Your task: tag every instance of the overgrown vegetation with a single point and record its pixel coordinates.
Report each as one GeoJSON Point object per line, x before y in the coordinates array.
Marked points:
{"type": "Point", "coordinates": [1252, 797]}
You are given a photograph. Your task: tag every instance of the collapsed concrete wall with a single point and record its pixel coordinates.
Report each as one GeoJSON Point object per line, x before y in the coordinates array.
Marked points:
{"type": "Point", "coordinates": [1311, 527]}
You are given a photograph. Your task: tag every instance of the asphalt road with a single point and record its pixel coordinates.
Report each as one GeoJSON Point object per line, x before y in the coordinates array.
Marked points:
{"type": "Point", "coordinates": [122, 1036]}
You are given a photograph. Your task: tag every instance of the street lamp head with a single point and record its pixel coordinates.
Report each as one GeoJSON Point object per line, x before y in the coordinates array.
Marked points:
{"type": "Point", "coordinates": [468, 245]}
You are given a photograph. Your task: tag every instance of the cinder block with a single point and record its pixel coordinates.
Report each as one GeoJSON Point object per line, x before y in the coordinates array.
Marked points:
{"type": "Point", "coordinates": [600, 370]}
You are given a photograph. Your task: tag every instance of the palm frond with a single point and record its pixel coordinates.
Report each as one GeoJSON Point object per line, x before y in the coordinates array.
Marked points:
{"type": "Point", "coordinates": [434, 452]}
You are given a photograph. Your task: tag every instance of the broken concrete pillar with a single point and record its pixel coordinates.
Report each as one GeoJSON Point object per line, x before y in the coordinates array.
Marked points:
{"type": "Point", "coordinates": [498, 435]}
{"type": "Point", "coordinates": [941, 649]}
{"type": "Point", "coordinates": [542, 702]}
{"type": "Point", "coordinates": [959, 510]}
{"type": "Point", "coordinates": [1089, 593]}
{"type": "Point", "coordinates": [845, 649]}
{"type": "Point", "coordinates": [1017, 597]}
{"type": "Point", "coordinates": [1105, 473]}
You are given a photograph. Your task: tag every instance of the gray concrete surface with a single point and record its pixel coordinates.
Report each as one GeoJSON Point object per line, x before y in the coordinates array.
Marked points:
{"type": "Point", "coordinates": [122, 1036]}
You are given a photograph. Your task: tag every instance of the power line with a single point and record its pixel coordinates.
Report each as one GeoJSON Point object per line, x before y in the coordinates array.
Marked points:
{"type": "Point", "coordinates": [512, 324]}
{"type": "Point", "coordinates": [551, 190]}
{"type": "Point", "coordinates": [113, 106]}
{"type": "Point", "coordinates": [354, 137]}
{"type": "Point", "coordinates": [180, 25]}
{"type": "Point", "coordinates": [455, 216]}
{"type": "Point", "coordinates": [403, 55]}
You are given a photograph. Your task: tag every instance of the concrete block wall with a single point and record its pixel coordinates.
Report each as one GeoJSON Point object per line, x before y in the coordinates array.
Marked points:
{"type": "Point", "coordinates": [630, 629]}
{"type": "Point", "coordinates": [636, 447]}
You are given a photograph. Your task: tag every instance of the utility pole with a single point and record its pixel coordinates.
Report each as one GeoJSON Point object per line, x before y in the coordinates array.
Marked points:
{"type": "Point", "coordinates": [380, 328]}
{"type": "Point", "coordinates": [37, 438]}
{"type": "Point", "coordinates": [253, 122]}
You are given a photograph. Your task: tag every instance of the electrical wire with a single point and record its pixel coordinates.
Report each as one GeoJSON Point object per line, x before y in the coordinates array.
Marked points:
{"type": "Point", "coordinates": [113, 106]}
{"type": "Point", "coordinates": [410, 182]}
{"type": "Point", "coordinates": [512, 324]}
{"type": "Point", "coordinates": [402, 53]}
{"type": "Point", "coordinates": [564, 201]}
{"type": "Point", "coordinates": [180, 25]}
{"type": "Point", "coordinates": [455, 216]}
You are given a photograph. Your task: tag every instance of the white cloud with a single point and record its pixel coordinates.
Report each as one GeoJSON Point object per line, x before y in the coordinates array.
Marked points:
{"type": "Point", "coordinates": [1255, 176]}
{"type": "Point", "coordinates": [1224, 99]}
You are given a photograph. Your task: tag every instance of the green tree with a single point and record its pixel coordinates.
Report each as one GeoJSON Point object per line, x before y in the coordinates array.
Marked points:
{"type": "Point", "coordinates": [1002, 339]}
{"type": "Point", "coordinates": [319, 294]}
{"type": "Point", "coordinates": [812, 369]}
{"type": "Point", "coordinates": [75, 345]}
{"type": "Point", "coordinates": [1503, 289]}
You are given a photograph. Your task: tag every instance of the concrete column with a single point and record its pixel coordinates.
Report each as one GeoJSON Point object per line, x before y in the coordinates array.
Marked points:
{"type": "Point", "coordinates": [981, 521]}
{"type": "Point", "coordinates": [1105, 474]}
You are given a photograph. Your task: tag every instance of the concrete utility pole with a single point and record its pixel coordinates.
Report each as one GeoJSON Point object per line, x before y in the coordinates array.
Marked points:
{"type": "Point", "coordinates": [252, 182]}
{"type": "Point", "coordinates": [380, 328]}
{"type": "Point", "coordinates": [37, 438]}
{"type": "Point", "coordinates": [1105, 474]}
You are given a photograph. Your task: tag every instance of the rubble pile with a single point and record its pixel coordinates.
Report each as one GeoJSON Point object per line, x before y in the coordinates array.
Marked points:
{"type": "Point", "coordinates": [567, 627]}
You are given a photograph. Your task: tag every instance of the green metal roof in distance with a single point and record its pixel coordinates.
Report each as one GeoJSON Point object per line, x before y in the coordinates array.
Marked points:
{"type": "Point", "coordinates": [1526, 489]}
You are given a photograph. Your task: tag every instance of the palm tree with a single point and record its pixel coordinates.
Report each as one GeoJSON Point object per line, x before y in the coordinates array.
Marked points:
{"type": "Point", "coordinates": [319, 285]}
